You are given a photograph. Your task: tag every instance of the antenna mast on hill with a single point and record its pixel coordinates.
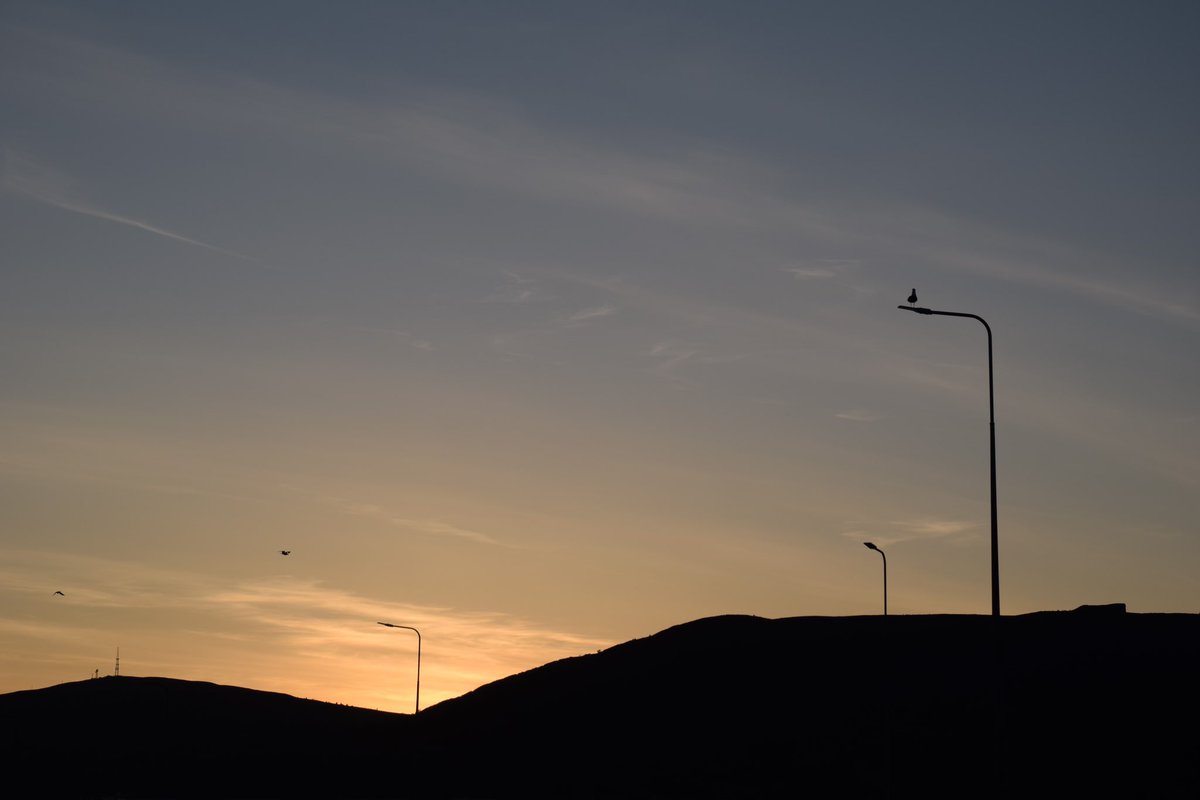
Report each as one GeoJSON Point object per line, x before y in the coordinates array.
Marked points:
{"type": "Point", "coordinates": [117, 671]}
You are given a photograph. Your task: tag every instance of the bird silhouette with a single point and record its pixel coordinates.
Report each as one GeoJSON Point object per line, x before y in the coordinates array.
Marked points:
{"type": "Point", "coordinates": [60, 594]}
{"type": "Point", "coordinates": [285, 552]}
{"type": "Point", "coordinates": [912, 298]}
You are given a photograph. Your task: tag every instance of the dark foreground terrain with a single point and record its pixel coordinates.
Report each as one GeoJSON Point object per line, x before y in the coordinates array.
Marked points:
{"type": "Point", "coordinates": [1091, 702]}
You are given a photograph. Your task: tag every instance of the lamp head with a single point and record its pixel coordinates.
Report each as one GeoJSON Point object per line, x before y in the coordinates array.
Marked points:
{"type": "Point", "coordinates": [868, 545]}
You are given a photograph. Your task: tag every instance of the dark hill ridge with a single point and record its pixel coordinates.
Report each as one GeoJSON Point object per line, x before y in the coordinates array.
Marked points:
{"type": "Point", "coordinates": [141, 710]}
{"type": "Point", "coordinates": [1093, 701]}
{"type": "Point", "coordinates": [162, 737]}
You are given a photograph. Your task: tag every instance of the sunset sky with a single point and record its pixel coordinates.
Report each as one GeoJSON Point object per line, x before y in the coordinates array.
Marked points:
{"type": "Point", "coordinates": [541, 326]}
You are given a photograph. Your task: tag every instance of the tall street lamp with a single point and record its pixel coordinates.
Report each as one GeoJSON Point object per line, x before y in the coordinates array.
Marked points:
{"type": "Point", "coordinates": [418, 633]}
{"type": "Point", "coordinates": [992, 425]}
{"type": "Point", "coordinates": [871, 546]}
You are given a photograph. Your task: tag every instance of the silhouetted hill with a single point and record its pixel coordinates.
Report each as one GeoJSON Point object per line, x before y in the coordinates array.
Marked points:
{"type": "Point", "coordinates": [129, 737]}
{"type": "Point", "coordinates": [1068, 703]}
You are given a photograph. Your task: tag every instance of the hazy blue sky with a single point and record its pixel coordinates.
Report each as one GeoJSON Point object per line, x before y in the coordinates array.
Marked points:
{"type": "Point", "coordinates": [543, 326]}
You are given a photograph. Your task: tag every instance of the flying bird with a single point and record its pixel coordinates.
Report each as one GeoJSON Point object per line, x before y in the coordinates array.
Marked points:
{"type": "Point", "coordinates": [285, 552]}
{"type": "Point", "coordinates": [912, 298]}
{"type": "Point", "coordinates": [60, 594]}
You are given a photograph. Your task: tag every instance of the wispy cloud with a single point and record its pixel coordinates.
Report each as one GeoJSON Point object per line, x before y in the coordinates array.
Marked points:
{"type": "Point", "coordinates": [516, 288]}
{"type": "Point", "coordinates": [934, 528]}
{"type": "Point", "coordinates": [670, 356]}
{"type": "Point", "coordinates": [822, 269]}
{"type": "Point", "coordinates": [605, 310]}
{"type": "Point", "coordinates": [1108, 291]}
{"type": "Point", "coordinates": [809, 273]}
{"type": "Point", "coordinates": [459, 136]}
{"type": "Point", "coordinates": [431, 527]}
{"type": "Point", "coordinates": [704, 314]}
{"type": "Point", "coordinates": [910, 530]}
{"type": "Point", "coordinates": [859, 415]}
{"type": "Point", "coordinates": [957, 245]}
{"type": "Point", "coordinates": [477, 141]}
{"type": "Point", "coordinates": [26, 177]}
{"type": "Point", "coordinates": [542, 339]}
{"type": "Point", "coordinates": [410, 339]}
{"type": "Point", "coordinates": [672, 359]}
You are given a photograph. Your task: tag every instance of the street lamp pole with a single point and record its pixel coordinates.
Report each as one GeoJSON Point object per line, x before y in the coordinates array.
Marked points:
{"type": "Point", "coordinates": [992, 426]}
{"type": "Point", "coordinates": [418, 633]}
{"type": "Point", "coordinates": [871, 546]}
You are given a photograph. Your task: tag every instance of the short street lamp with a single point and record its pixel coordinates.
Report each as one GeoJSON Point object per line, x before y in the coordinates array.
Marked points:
{"type": "Point", "coordinates": [877, 550]}
{"type": "Point", "coordinates": [418, 633]}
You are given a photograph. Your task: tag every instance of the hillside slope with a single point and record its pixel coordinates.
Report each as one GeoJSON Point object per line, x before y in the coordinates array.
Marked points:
{"type": "Point", "coordinates": [731, 706]}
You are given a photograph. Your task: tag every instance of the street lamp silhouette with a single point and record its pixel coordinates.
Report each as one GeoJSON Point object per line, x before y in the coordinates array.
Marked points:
{"type": "Point", "coordinates": [418, 633]}
{"type": "Point", "coordinates": [992, 426]}
{"type": "Point", "coordinates": [870, 546]}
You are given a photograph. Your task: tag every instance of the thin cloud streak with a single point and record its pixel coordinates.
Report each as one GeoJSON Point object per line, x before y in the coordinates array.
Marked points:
{"type": "Point", "coordinates": [410, 339]}
{"type": "Point", "coordinates": [1109, 293]}
{"type": "Point", "coordinates": [139, 224]}
{"type": "Point", "coordinates": [21, 177]}
{"type": "Point", "coordinates": [592, 313]}
{"type": "Point", "coordinates": [432, 527]}
{"type": "Point", "coordinates": [859, 415]}
{"type": "Point", "coordinates": [933, 528]}
{"type": "Point", "coordinates": [672, 356]}
{"type": "Point", "coordinates": [458, 136]}
{"type": "Point", "coordinates": [811, 274]}
{"type": "Point", "coordinates": [517, 288]}
{"type": "Point", "coordinates": [959, 245]}
{"type": "Point", "coordinates": [916, 530]}
{"type": "Point", "coordinates": [824, 268]}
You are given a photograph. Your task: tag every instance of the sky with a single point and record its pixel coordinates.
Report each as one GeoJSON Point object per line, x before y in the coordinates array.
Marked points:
{"type": "Point", "coordinates": [543, 326]}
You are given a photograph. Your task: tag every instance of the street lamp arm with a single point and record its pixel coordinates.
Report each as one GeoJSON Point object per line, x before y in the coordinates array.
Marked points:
{"type": "Point", "coordinates": [988, 328]}
{"type": "Point", "coordinates": [406, 627]}
{"type": "Point", "coordinates": [921, 310]}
